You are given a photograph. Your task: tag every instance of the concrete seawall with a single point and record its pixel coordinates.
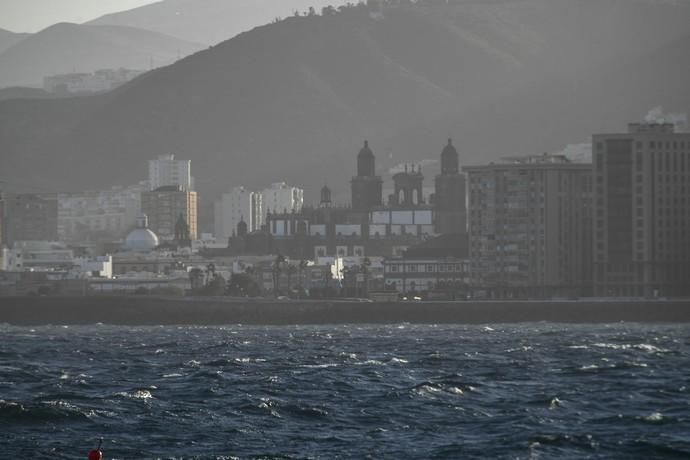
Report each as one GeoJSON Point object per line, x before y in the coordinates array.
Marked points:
{"type": "Point", "coordinates": [207, 311]}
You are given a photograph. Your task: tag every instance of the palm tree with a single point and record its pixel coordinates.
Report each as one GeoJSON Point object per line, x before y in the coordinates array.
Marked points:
{"type": "Point", "coordinates": [277, 267]}
{"type": "Point", "coordinates": [291, 269]}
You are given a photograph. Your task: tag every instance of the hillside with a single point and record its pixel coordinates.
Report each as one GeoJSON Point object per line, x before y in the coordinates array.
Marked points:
{"type": "Point", "coordinates": [19, 92]}
{"type": "Point", "coordinates": [209, 21]}
{"type": "Point", "coordinates": [294, 100]}
{"type": "Point", "coordinates": [8, 38]}
{"type": "Point", "coordinates": [66, 48]}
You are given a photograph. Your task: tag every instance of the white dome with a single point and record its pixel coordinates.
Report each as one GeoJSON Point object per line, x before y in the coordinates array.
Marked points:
{"type": "Point", "coordinates": [141, 239]}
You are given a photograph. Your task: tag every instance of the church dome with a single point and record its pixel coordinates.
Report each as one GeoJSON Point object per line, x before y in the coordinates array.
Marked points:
{"type": "Point", "coordinates": [366, 161]}
{"type": "Point", "coordinates": [449, 159]}
{"type": "Point", "coordinates": [141, 238]}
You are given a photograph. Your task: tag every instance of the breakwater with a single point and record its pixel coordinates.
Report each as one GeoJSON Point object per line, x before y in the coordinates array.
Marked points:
{"type": "Point", "coordinates": [146, 310]}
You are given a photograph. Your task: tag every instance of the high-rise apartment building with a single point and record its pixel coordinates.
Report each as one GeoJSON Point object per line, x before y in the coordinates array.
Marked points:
{"type": "Point", "coordinates": [232, 208]}
{"type": "Point", "coordinates": [99, 215]}
{"type": "Point", "coordinates": [642, 211]}
{"type": "Point", "coordinates": [30, 217]}
{"type": "Point", "coordinates": [281, 197]}
{"type": "Point", "coordinates": [164, 207]}
{"type": "Point", "coordinates": [530, 227]}
{"type": "Point", "coordinates": [167, 171]}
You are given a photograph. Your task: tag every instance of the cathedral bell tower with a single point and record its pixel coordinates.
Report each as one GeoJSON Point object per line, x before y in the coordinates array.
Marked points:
{"type": "Point", "coordinates": [450, 211]}
{"type": "Point", "coordinates": [367, 187]}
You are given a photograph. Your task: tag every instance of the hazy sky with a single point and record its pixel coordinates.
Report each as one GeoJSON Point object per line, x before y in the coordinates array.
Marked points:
{"type": "Point", "coordinates": [34, 15]}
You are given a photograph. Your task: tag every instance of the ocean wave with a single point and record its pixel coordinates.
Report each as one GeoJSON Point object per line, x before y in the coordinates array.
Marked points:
{"type": "Point", "coordinates": [626, 346]}
{"type": "Point", "coordinates": [136, 394]}
{"type": "Point", "coordinates": [42, 411]}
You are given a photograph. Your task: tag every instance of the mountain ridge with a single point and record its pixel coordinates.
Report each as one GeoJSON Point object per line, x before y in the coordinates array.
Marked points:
{"type": "Point", "coordinates": [66, 48]}
{"type": "Point", "coordinates": [294, 100]}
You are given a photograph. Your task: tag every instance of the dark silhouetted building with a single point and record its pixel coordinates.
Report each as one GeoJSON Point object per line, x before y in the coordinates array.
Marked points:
{"type": "Point", "coordinates": [450, 209]}
{"type": "Point", "coordinates": [642, 211]}
{"type": "Point", "coordinates": [367, 187]}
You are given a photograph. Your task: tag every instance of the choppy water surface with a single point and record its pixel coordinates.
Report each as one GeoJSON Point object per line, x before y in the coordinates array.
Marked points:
{"type": "Point", "coordinates": [400, 391]}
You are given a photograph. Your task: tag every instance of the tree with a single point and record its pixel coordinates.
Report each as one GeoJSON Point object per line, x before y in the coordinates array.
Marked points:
{"type": "Point", "coordinates": [243, 285]}
{"type": "Point", "coordinates": [277, 268]}
{"type": "Point", "coordinates": [196, 278]}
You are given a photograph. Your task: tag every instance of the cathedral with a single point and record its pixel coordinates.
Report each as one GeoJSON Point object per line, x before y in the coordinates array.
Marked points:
{"type": "Point", "coordinates": [372, 226]}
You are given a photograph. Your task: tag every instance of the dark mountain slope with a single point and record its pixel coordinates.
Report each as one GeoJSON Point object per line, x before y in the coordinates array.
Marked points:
{"type": "Point", "coordinates": [18, 92]}
{"type": "Point", "coordinates": [8, 38]}
{"type": "Point", "coordinates": [65, 48]}
{"type": "Point", "coordinates": [294, 100]}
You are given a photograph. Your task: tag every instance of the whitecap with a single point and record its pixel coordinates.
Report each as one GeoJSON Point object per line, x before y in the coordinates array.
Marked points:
{"type": "Point", "coordinates": [168, 376]}
{"type": "Point", "coordinates": [655, 417]}
{"type": "Point", "coordinates": [319, 366]}
{"type": "Point", "coordinates": [399, 360]}
{"type": "Point", "coordinates": [456, 390]}
{"type": "Point", "coordinates": [139, 394]}
{"type": "Point", "coordinates": [650, 348]}
{"type": "Point", "coordinates": [589, 367]}
{"type": "Point", "coordinates": [426, 390]}
{"type": "Point", "coordinates": [625, 346]}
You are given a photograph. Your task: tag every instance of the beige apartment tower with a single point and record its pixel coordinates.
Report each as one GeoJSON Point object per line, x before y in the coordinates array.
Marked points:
{"type": "Point", "coordinates": [642, 211]}
{"type": "Point", "coordinates": [165, 205]}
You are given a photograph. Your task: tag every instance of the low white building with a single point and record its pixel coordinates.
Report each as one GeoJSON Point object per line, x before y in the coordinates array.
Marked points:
{"type": "Point", "coordinates": [95, 267]}
{"type": "Point", "coordinates": [421, 274]}
{"type": "Point", "coordinates": [50, 256]}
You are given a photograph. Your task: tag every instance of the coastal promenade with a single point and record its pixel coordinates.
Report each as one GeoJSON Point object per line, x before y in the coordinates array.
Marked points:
{"type": "Point", "coordinates": [147, 310]}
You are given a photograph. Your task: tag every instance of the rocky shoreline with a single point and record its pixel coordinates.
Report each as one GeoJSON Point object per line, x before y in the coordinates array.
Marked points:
{"type": "Point", "coordinates": [146, 310]}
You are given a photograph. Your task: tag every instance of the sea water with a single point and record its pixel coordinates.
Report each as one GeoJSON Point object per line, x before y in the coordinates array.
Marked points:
{"type": "Point", "coordinates": [519, 391]}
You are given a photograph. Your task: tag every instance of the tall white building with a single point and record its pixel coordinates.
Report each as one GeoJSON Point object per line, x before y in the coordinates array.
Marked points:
{"type": "Point", "coordinates": [166, 171]}
{"type": "Point", "coordinates": [235, 206]}
{"type": "Point", "coordinates": [282, 198]}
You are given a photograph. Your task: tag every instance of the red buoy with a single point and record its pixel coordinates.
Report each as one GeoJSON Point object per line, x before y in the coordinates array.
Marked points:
{"type": "Point", "coordinates": [96, 453]}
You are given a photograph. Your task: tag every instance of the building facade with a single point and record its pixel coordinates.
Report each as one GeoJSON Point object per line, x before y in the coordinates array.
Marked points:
{"type": "Point", "coordinates": [530, 227]}
{"type": "Point", "coordinates": [642, 211]}
{"type": "Point", "coordinates": [167, 171]}
{"type": "Point", "coordinates": [164, 207]}
{"type": "Point", "coordinates": [99, 215]}
{"type": "Point", "coordinates": [30, 217]}
{"type": "Point", "coordinates": [281, 197]}
{"type": "Point", "coordinates": [239, 205]}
